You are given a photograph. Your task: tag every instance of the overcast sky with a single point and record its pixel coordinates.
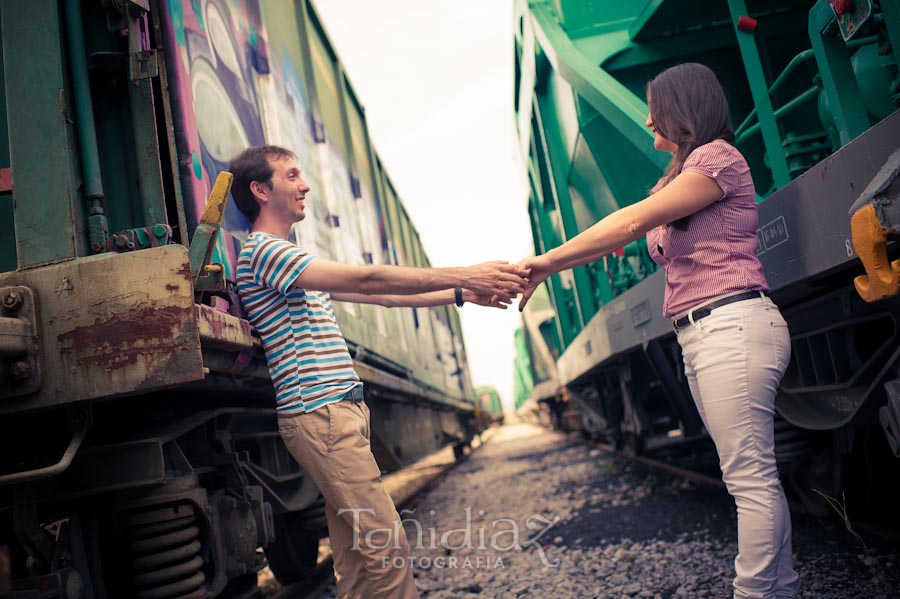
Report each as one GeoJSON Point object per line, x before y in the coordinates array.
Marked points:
{"type": "Point", "coordinates": [436, 80]}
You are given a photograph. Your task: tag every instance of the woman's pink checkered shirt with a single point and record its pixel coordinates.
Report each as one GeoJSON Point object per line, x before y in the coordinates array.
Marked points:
{"type": "Point", "coordinates": [716, 254]}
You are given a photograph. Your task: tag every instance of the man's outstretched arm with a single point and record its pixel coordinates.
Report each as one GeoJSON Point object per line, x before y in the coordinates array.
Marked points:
{"type": "Point", "coordinates": [425, 300]}
{"type": "Point", "coordinates": [489, 278]}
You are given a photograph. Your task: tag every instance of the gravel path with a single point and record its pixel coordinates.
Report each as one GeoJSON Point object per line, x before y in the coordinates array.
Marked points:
{"type": "Point", "coordinates": [537, 514]}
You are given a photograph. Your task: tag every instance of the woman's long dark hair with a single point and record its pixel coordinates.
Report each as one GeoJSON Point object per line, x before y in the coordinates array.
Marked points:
{"type": "Point", "coordinates": [688, 107]}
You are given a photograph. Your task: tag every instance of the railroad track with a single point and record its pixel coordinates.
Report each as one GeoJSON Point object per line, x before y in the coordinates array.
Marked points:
{"type": "Point", "coordinates": [690, 475]}
{"type": "Point", "coordinates": [697, 468]}
{"type": "Point", "coordinates": [714, 481]}
{"type": "Point", "coordinates": [309, 589]}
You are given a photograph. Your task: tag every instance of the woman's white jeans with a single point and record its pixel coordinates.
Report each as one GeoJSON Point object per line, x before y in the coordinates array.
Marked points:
{"type": "Point", "coordinates": [734, 360]}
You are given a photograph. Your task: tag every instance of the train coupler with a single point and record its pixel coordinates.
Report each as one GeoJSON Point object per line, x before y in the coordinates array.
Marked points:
{"type": "Point", "coordinates": [876, 218]}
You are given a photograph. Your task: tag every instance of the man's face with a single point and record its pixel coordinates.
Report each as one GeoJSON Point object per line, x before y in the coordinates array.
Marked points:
{"type": "Point", "coordinates": [289, 189]}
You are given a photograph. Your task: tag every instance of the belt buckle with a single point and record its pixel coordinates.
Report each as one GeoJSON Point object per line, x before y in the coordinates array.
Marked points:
{"type": "Point", "coordinates": [688, 316]}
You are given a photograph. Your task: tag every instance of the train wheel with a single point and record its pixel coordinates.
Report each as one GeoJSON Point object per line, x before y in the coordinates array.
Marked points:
{"type": "Point", "coordinates": [91, 531]}
{"type": "Point", "coordinates": [459, 452]}
{"type": "Point", "coordinates": [822, 473]}
{"type": "Point", "coordinates": [295, 551]}
{"type": "Point", "coordinates": [592, 427]}
{"type": "Point", "coordinates": [97, 552]}
{"type": "Point", "coordinates": [633, 444]}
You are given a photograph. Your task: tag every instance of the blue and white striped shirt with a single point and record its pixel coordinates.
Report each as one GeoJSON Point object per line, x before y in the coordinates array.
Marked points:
{"type": "Point", "coordinates": [305, 349]}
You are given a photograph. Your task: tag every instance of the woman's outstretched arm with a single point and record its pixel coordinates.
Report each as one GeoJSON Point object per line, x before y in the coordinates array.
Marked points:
{"type": "Point", "coordinates": [684, 195]}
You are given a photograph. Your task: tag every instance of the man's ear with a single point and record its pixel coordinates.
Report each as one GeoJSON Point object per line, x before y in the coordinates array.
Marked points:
{"type": "Point", "coordinates": [259, 190]}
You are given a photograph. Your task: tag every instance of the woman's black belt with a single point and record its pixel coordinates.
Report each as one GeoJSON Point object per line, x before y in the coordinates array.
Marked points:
{"type": "Point", "coordinates": [706, 310]}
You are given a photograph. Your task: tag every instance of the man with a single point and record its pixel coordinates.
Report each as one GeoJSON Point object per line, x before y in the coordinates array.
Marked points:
{"type": "Point", "coordinates": [321, 416]}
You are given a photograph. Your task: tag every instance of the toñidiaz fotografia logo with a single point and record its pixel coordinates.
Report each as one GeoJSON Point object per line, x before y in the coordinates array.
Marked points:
{"type": "Point", "coordinates": [485, 543]}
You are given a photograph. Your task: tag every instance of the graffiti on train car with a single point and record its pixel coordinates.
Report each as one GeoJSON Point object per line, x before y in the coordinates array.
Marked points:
{"type": "Point", "coordinates": [239, 75]}
{"type": "Point", "coordinates": [226, 103]}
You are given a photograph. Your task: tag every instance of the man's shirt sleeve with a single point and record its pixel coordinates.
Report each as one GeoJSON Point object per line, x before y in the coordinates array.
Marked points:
{"type": "Point", "coordinates": [277, 263]}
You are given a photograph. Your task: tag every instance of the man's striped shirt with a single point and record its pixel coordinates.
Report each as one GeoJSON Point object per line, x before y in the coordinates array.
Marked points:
{"type": "Point", "coordinates": [305, 349]}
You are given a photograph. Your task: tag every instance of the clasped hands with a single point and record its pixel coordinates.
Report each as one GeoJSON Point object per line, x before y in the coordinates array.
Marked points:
{"type": "Point", "coordinates": [497, 283]}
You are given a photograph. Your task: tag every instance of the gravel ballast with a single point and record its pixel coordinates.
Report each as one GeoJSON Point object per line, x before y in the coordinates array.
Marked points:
{"type": "Point", "coordinates": [535, 513]}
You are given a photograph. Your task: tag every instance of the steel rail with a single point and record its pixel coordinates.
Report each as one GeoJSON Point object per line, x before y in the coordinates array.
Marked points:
{"type": "Point", "coordinates": [859, 525]}
{"type": "Point", "coordinates": [683, 473]}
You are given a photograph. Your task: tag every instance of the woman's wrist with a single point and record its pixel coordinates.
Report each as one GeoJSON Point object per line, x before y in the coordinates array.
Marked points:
{"type": "Point", "coordinates": [553, 260]}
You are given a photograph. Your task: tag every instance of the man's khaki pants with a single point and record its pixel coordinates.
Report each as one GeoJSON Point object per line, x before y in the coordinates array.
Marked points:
{"type": "Point", "coordinates": [370, 549]}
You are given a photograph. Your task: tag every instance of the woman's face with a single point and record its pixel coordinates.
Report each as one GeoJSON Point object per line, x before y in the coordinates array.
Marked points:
{"type": "Point", "coordinates": [660, 142]}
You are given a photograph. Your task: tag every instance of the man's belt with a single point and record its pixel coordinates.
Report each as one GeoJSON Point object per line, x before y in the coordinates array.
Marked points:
{"type": "Point", "coordinates": [355, 394]}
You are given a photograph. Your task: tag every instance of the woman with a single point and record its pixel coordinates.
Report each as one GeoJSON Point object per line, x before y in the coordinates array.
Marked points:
{"type": "Point", "coordinates": [700, 221]}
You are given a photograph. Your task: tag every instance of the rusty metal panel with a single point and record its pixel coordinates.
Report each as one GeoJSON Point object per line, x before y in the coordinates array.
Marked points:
{"type": "Point", "coordinates": [112, 325]}
{"type": "Point", "coordinates": [221, 330]}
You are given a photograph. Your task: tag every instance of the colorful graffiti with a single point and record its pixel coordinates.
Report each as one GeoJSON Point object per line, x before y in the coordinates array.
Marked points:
{"type": "Point", "coordinates": [235, 73]}
{"type": "Point", "coordinates": [225, 100]}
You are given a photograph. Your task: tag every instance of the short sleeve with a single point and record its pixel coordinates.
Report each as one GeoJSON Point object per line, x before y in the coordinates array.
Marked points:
{"type": "Point", "coordinates": [277, 263]}
{"type": "Point", "coordinates": [653, 239]}
{"type": "Point", "coordinates": [717, 160]}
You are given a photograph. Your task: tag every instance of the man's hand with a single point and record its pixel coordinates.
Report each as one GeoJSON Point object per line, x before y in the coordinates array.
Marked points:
{"type": "Point", "coordinates": [495, 278]}
{"type": "Point", "coordinates": [539, 269]}
{"type": "Point", "coordinates": [487, 299]}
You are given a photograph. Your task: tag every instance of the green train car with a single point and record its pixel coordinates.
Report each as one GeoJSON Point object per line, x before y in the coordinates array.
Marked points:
{"type": "Point", "coordinates": [537, 345]}
{"type": "Point", "coordinates": [814, 89]}
{"type": "Point", "coordinates": [523, 381]}
{"type": "Point", "coordinates": [139, 451]}
{"type": "Point", "coordinates": [489, 402]}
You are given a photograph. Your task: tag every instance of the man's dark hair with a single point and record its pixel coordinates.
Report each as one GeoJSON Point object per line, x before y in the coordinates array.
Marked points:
{"type": "Point", "coordinates": [253, 165]}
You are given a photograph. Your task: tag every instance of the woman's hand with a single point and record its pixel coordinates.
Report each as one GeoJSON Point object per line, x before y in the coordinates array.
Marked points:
{"type": "Point", "coordinates": [539, 269]}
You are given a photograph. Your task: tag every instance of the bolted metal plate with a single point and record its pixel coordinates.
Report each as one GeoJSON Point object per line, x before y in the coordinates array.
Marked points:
{"type": "Point", "coordinates": [143, 65]}
{"type": "Point", "coordinates": [20, 368]}
{"type": "Point", "coordinates": [112, 325]}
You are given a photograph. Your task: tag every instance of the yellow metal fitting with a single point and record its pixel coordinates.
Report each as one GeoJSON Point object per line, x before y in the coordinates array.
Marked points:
{"type": "Point", "coordinates": [882, 278]}
{"type": "Point", "coordinates": [206, 276]}
{"type": "Point", "coordinates": [218, 197]}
